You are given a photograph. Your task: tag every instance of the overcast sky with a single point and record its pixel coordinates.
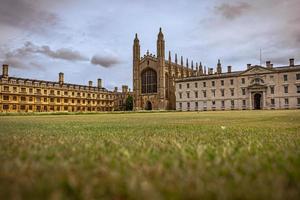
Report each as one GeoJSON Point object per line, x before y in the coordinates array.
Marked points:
{"type": "Point", "coordinates": [90, 39]}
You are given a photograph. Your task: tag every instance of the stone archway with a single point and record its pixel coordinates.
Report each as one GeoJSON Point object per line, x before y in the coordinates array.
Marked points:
{"type": "Point", "coordinates": [257, 101]}
{"type": "Point", "coordinates": [148, 105]}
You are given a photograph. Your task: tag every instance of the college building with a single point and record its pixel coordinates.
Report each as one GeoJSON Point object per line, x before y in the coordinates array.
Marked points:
{"type": "Point", "coordinates": [29, 95]}
{"type": "Point", "coordinates": [257, 87]}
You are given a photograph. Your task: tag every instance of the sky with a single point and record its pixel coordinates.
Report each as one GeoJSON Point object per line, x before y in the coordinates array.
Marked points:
{"type": "Point", "coordinates": [91, 39]}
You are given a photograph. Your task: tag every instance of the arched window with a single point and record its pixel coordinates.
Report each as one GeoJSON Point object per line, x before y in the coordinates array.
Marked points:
{"type": "Point", "coordinates": [149, 81]}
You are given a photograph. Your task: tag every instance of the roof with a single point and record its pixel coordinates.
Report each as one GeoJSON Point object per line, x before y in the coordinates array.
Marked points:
{"type": "Point", "coordinates": [238, 73]}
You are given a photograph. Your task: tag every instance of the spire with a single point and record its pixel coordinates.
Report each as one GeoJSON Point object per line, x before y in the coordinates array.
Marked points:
{"type": "Point", "coordinates": [192, 65]}
{"type": "Point", "coordinates": [170, 56]}
{"type": "Point", "coordinates": [181, 61]}
{"type": "Point", "coordinates": [136, 39]}
{"type": "Point", "coordinates": [160, 34]}
{"type": "Point", "coordinates": [187, 63]}
{"type": "Point", "coordinates": [176, 58]}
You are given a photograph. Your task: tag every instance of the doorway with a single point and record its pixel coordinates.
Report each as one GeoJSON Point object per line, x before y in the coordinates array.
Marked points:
{"type": "Point", "coordinates": [148, 105]}
{"type": "Point", "coordinates": [257, 101]}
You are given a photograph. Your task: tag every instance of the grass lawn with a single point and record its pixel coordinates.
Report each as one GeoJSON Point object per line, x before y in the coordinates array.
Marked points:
{"type": "Point", "coordinates": [188, 155]}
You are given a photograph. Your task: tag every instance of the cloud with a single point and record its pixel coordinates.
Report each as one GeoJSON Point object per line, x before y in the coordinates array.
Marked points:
{"type": "Point", "coordinates": [26, 15]}
{"type": "Point", "coordinates": [30, 49]}
{"type": "Point", "coordinates": [105, 61]}
{"type": "Point", "coordinates": [230, 11]}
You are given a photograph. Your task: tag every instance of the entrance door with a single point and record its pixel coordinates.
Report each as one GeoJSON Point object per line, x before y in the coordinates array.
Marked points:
{"type": "Point", "coordinates": [148, 105]}
{"type": "Point", "coordinates": [257, 101]}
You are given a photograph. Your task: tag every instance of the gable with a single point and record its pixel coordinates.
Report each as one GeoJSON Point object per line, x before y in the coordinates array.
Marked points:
{"type": "Point", "coordinates": [257, 70]}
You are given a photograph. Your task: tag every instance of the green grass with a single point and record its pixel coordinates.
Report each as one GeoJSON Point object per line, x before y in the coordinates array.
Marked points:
{"type": "Point", "coordinates": [207, 155]}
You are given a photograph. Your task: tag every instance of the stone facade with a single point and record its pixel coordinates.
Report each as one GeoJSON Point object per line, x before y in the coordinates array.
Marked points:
{"type": "Point", "coordinates": [121, 97]}
{"type": "Point", "coordinates": [154, 77]}
{"type": "Point", "coordinates": [258, 87]}
{"type": "Point", "coordinates": [28, 95]}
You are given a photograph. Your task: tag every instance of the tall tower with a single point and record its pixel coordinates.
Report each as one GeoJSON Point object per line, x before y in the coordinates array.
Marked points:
{"type": "Point", "coordinates": [219, 67]}
{"type": "Point", "coordinates": [161, 69]}
{"type": "Point", "coordinates": [136, 63]}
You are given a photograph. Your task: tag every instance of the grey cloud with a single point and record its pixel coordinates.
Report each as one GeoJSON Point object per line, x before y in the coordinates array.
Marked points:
{"type": "Point", "coordinates": [29, 49]}
{"type": "Point", "coordinates": [105, 61]}
{"type": "Point", "coordinates": [26, 15]}
{"type": "Point", "coordinates": [232, 11]}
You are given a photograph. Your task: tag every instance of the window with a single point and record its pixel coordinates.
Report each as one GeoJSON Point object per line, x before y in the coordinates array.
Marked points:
{"type": "Point", "coordinates": [244, 103]}
{"type": "Point", "coordinates": [5, 107]}
{"type": "Point", "coordinates": [213, 103]}
{"type": "Point", "coordinates": [22, 107]}
{"type": "Point", "coordinates": [65, 100]}
{"type": "Point", "coordinates": [66, 93]}
{"type": "Point", "coordinates": [298, 89]}
{"type": "Point", "coordinates": [286, 89]}
{"type": "Point", "coordinates": [45, 91]}
{"type": "Point", "coordinates": [180, 95]}
{"type": "Point", "coordinates": [30, 99]}
{"type": "Point", "coordinates": [23, 89]}
{"type": "Point", "coordinates": [30, 90]}
{"type": "Point", "coordinates": [15, 98]}
{"type": "Point", "coordinates": [23, 98]}
{"type": "Point", "coordinates": [196, 85]}
{"type": "Point", "coordinates": [272, 102]}
{"type": "Point", "coordinates": [6, 88]}
{"type": "Point", "coordinates": [188, 105]}
{"type": "Point", "coordinates": [243, 80]}
{"type": "Point", "coordinates": [213, 83]}
{"type": "Point", "coordinates": [188, 95]}
{"type": "Point", "coordinates": [58, 92]}
{"type": "Point", "coordinates": [45, 99]}
{"type": "Point", "coordinates": [243, 91]}
{"type": "Point", "coordinates": [15, 89]}
{"type": "Point", "coordinates": [149, 81]}
{"type": "Point", "coordinates": [180, 105]}
{"type": "Point", "coordinates": [196, 94]}
{"type": "Point", "coordinates": [204, 94]}
{"type": "Point", "coordinates": [204, 84]}
{"type": "Point", "coordinates": [196, 105]}
{"type": "Point", "coordinates": [222, 82]}
{"type": "Point", "coordinates": [51, 100]}
{"type": "Point", "coordinates": [285, 77]}
{"type": "Point", "coordinates": [6, 98]}
{"type": "Point", "coordinates": [51, 92]}
{"type": "Point", "coordinates": [223, 103]}
{"type": "Point", "coordinates": [297, 77]}
{"type": "Point", "coordinates": [213, 93]}
{"type": "Point", "coordinates": [286, 101]}
{"type": "Point", "coordinates": [14, 107]}
{"type": "Point", "coordinates": [187, 85]}
{"type": "Point", "coordinates": [298, 101]}
{"type": "Point", "coordinates": [231, 81]}
{"type": "Point", "coordinates": [272, 89]}
{"type": "Point", "coordinates": [180, 86]}
{"type": "Point", "coordinates": [232, 103]}
{"type": "Point", "coordinates": [222, 93]}
{"type": "Point", "coordinates": [232, 92]}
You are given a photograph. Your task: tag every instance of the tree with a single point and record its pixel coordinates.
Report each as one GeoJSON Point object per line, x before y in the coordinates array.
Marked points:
{"type": "Point", "coordinates": [129, 103]}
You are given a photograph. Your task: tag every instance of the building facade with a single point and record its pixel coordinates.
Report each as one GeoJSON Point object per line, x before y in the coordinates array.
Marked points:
{"type": "Point", "coordinates": [154, 77]}
{"type": "Point", "coordinates": [121, 97]}
{"type": "Point", "coordinates": [257, 87]}
{"type": "Point", "coordinates": [28, 95]}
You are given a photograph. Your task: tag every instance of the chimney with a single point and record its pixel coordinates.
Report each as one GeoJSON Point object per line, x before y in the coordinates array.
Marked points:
{"type": "Point", "coordinates": [5, 70]}
{"type": "Point", "coordinates": [124, 88]}
{"type": "Point", "coordinates": [61, 78]}
{"type": "Point", "coordinates": [292, 62]}
{"type": "Point", "coordinates": [116, 89]}
{"type": "Point", "coordinates": [210, 71]}
{"type": "Point", "coordinates": [99, 83]}
{"type": "Point", "coordinates": [248, 66]}
{"type": "Point", "coordinates": [91, 83]}
{"type": "Point", "coordinates": [229, 69]}
{"type": "Point", "coordinates": [219, 67]}
{"type": "Point", "coordinates": [268, 64]}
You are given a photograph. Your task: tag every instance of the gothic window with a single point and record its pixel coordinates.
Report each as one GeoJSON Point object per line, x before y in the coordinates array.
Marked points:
{"type": "Point", "coordinates": [149, 81]}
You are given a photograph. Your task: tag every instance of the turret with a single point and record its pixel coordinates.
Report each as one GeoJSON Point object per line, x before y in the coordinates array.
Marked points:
{"type": "Point", "coordinates": [136, 64]}
{"type": "Point", "coordinates": [160, 45]}
{"type": "Point", "coordinates": [61, 78]}
{"type": "Point", "coordinates": [292, 62]}
{"type": "Point", "coordinates": [5, 70]}
{"type": "Point", "coordinates": [99, 83]}
{"type": "Point", "coordinates": [219, 67]}
{"type": "Point", "coordinates": [124, 88]}
{"type": "Point", "coordinates": [90, 83]}
{"type": "Point", "coordinates": [200, 69]}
